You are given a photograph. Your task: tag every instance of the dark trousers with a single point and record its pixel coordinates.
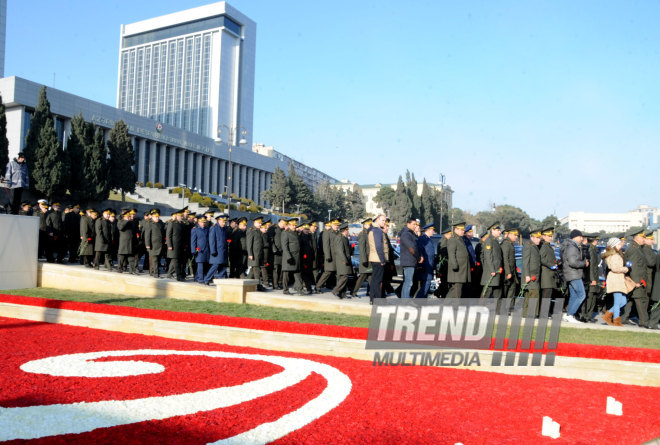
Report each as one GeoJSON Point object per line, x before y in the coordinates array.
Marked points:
{"type": "Point", "coordinates": [15, 196]}
{"type": "Point", "coordinates": [376, 283]}
{"type": "Point", "coordinates": [176, 269]}
{"type": "Point", "coordinates": [324, 277]}
{"type": "Point", "coordinates": [126, 261]}
{"type": "Point", "coordinates": [361, 279]}
{"type": "Point", "coordinates": [641, 300]}
{"type": "Point", "coordinates": [102, 255]}
{"type": "Point", "coordinates": [531, 302]}
{"type": "Point", "coordinates": [199, 274]}
{"type": "Point", "coordinates": [455, 290]}
{"type": "Point", "coordinates": [221, 270]}
{"type": "Point", "coordinates": [297, 280]}
{"type": "Point", "coordinates": [257, 272]}
{"type": "Point", "coordinates": [277, 275]}
{"type": "Point", "coordinates": [589, 305]}
{"type": "Point", "coordinates": [510, 289]}
{"type": "Point", "coordinates": [154, 265]}
{"type": "Point", "coordinates": [340, 288]}
{"type": "Point", "coordinates": [425, 279]}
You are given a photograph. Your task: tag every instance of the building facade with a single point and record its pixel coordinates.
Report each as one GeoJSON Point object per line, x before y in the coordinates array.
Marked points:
{"type": "Point", "coordinates": [642, 216]}
{"type": "Point", "coordinates": [163, 153]}
{"type": "Point", "coordinates": [312, 177]}
{"type": "Point", "coordinates": [192, 69]}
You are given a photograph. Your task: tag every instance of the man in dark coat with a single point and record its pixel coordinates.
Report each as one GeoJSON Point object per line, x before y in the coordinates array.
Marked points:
{"type": "Point", "coordinates": [125, 251]}
{"type": "Point", "coordinates": [390, 268]}
{"type": "Point", "coordinates": [314, 233]}
{"type": "Point", "coordinates": [341, 254]}
{"type": "Point", "coordinates": [549, 278]}
{"type": "Point", "coordinates": [511, 282]}
{"type": "Point", "coordinates": [458, 270]}
{"type": "Point", "coordinates": [654, 315]}
{"type": "Point", "coordinates": [26, 209]}
{"type": "Point", "coordinates": [199, 244]}
{"type": "Point", "coordinates": [638, 273]}
{"type": "Point", "coordinates": [71, 229]}
{"type": "Point", "coordinates": [255, 253]}
{"type": "Point", "coordinates": [17, 180]}
{"type": "Point", "coordinates": [276, 236]}
{"type": "Point", "coordinates": [364, 269]}
{"type": "Point", "coordinates": [218, 249]}
{"type": "Point", "coordinates": [55, 229]}
{"type": "Point", "coordinates": [87, 235]}
{"type": "Point", "coordinates": [238, 250]}
{"type": "Point", "coordinates": [268, 252]}
{"type": "Point", "coordinates": [291, 258]}
{"type": "Point", "coordinates": [45, 249]}
{"type": "Point", "coordinates": [531, 271]}
{"type": "Point", "coordinates": [306, 256]}
{"type": "Point", "coordinates": [140, 248]}
{"type": "Point", "coordinates": [175, 236]}
{"type": "Point", "coordinates": [426, 250]}
{"type": "Point", "coordinates": [443, 263]}
{"type": "Point", "coordinates": [410, 255]}
{"type": "Point", "coordinates": [329, 267]}
{"type": "Point", "coordinates": [491, 278]}
{"type": "Point", "coordinates": [102, 239]}
{"type": "Point", "coordinates": [154, 242]}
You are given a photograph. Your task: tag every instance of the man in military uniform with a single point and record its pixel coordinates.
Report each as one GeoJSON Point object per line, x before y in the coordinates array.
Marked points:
{"type": "Point", "coordinates": [531, 271]}
{"type": "Point", "coordinates": [654, 316]}
{"type": "Point", "coordinates": [593, 288]}
{"type": "Point", "coordinates": [154, 240]}
{"type": "Point", "coordinates": [341, 254]}
{"type": "Point", "coordinates": [329, 266]}
{"type": "Point", "coordinates": [175, 236]}
{"type": "Point", "coordinates": [426, 250]}
{"type": "Point", "coordinates": [199, 245]}
{"type": "Point", "coordinates": [126, 252]}
{"type": "Point", "coordinates": [268, 252]}
{"type": "Point", "coordinates": [102, 240]}
{"type": "Point", "coordinates": [306, 255]}
{"type": "Point", "coordinates": [549, 278]}
{"type": "Point", "coordinates": [276, 235]}
{"type": "Point", "coordinates": [390, 267]}
{"type": "Point", "coordinates": [511, 282]}
{"type": "Point", "coordinates": [474, 288]}
{"type": "Point", "coordinates": [238, 250]}
{"type": "Point", "coordinates": [442, 262]}
{"type": "Point", "coordinates": [291, 259]}
{"type": "Point", "coordinates": [650, 255]}
{"type": "Point", "coordinates": [54, 228]}
{"type": "Point", "coordinates": [364, 269]}
{"type": "Point", "coordinates": [636, 262]}
{"type": "Point", "coordinates": [458, 272]}
{"type": "Point", "coordinates": [218, 250]}
{"type": "Point", "coordinates": [87, 234]}
{"type": "Point", "coordinates": [491, 278]}
{"type": "Point", "coordinates": [314, 233]}
{"type": "Point", "coordinates": [44, 249]}
{"type": "Point", "coordinates": [255, 253]}
{"type": "Point", "coordinates": [71, 228]}
{"type": "Point", "coordinates": [26, 209]}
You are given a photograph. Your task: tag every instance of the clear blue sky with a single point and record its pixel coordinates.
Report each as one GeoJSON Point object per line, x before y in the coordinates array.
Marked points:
{"type": "Point", "coordinates": [551, 106]}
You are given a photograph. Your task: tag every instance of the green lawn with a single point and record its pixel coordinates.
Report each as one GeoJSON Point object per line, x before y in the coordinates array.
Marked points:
{"type": "Point", "coordinates": [639, 339]}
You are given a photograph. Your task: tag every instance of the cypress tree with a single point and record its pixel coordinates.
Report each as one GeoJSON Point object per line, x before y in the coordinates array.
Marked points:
{"type": "Point", "coordinates": [4, 142]}
{"type": "Point", "coordinates": [122, 157]}
{"type": "Point", "coordinates": [356, 207]}
{"type": "Point", "coordinates": [414, 198]}
{"type": "Point", "coordinates": [96, 173]}
{"type": "Point", "coordinates": [50, 170]}
{"type": "Point", "coordinates": [402, 207]}
{"type": "Point", "coordinates": [385, 198]}
{"type": "Point", "coordinates": [279, 193]}
{"type": "Point", "coordinates": [37, 121]}
{"type": "Point", "coordinates": [300, 193]}
{"type": "Point", "coordinates": [430, 212]}
{"type": "Point", "coordinates": [76, 158]}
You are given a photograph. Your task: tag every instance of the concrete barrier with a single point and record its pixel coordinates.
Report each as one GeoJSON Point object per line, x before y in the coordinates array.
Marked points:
{"type": "Point", "coordinates": [19, 241]}
{"type": "Point", "coordinates": [234, 290]}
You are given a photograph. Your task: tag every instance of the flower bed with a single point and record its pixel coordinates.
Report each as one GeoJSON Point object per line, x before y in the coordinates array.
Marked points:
{"type": "Point", "coordinates": [382, 404]}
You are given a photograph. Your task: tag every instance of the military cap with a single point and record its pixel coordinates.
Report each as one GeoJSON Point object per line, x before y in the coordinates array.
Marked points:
{"type": "Point", "coordinates": [387, 220]}
{"type": "Point", "coordinates": [107, 210]}
{"type": "Point", "coordinates": [469, 228]}
{"type": "Point", "coordinates": [211, 210]}
{"type": "Point", "coordinates": [68, 207]}
{"type": "Point", "coordinates": [429, 226]}
{"type": "Point", "coordinates": [258, 219]}
{"type": "Point", "coordinates": [266, 223]}
{"type": "Point", "coordinates": [175, 212]}
{"type": "Point", "coordinates": [126, 208]}
{"type": "Point", "coordinates": [367, 221]}
{"type": "Point", "coordinates": [460, 225]}
{"type": "Point", "coordinates": [336, 221]}
{"type": "Point", "coordinates": [222, 216]}
{"type": "Point", "coordinates": [184, 209]}
{"type": "Point", "coordinates": [314, 223]}
{"type": "Point", "coordinates": [446, 231]}
{"type": "Point", "coordinates": [592, 236]}
{"type": "Point", "coordinates": [201, 217]}
{"type": "Point", "coordinates": [242, 220]}
{"type": "Point", "coordinates": [293, 221]}
{"type": "Point", "coordinates": [56, 203]}
{"type": "Point", "coordinates": [265, 220]}
{"type": "Point", "coordinates": [649, 234]}
{"type": "Point", "coordinates": [513, 230]}
{"type": "Point", "coordinates": [535, 232]}
{"type": "Point", "coordinates": [93, 211]}
{"type": "Point", "coordinates": [301, 224]}
{"type": "Point", "coordinates": [25, 203]}
{"type": "Point", "coordinates": [75, 204]}
{"type": "Point", "coordinates": [344, 226]}
{"type": "Point", "coordinates": [113, 212]}
{"type": "Point", "coordinates": [495, 225]}
{"type": "Point", "coordinates": [125, 211]}
{"type": "Point", "coordinates": [634, 232]}
{"type": "Point", "coordinates": [548, 230]}
{"type": "Point", "coordinates": [154, 212]}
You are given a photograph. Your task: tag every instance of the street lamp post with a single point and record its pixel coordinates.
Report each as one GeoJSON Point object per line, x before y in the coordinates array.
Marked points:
{"type": "Point", "coordinates": [329, 214]}
{"type": "Point", "coordinates": [183, 194]}
{"type": "Point", "coordinates": [231, 143]}
{"type": "Point", "coordinates": [442, 198]}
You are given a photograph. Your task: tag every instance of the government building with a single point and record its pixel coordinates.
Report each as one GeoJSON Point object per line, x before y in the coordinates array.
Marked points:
{"type": "Point", "coordinates": [186, 93]}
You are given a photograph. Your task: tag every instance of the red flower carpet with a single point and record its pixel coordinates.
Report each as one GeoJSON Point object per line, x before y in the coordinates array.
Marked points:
{"type": "Point", "coordinates": [63, 384]}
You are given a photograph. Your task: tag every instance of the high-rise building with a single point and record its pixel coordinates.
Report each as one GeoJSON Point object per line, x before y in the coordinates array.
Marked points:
{"type": "Point", "coordinates": [3, 34]}
{"type": "Point", "coordinates": [192, 69]}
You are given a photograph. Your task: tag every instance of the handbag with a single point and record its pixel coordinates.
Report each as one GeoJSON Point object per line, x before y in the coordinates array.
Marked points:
{"type": "Point", "coordinates": [630, 284]}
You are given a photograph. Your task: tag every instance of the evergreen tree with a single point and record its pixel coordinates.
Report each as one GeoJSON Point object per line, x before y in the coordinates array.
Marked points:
{"type": "Point", "coordinates": [415, 199]}
{"type": "Point", "coordinates": [279, 193]}
{"type": "Point", "coordinates": [430, 213]}
{"type": "Point", "coordinates": [402, 208]}
{"type": "Point", "coordinates": [76, 158]}
{"type": "Point", "coordinates": [385, 198]}
{"type": "Point", "coordinates": [300, 193]}
{"type": "Point", "coordinates": [37, 122]}
{"type": "Point", "coordinates": [355, 205]}
{"type": "Point", "coordinates": [96, 173]}
{"type": "Point", "coordinates": [50, 169]}
{"type": "Point", "coordinates": [4, 142]}
{"type": "Point", "coordinates": [122, 157]}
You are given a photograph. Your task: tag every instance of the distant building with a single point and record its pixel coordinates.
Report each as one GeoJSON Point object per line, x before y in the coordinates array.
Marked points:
{"type": "Point", "coordinates": [3, 35]}
{"type": "Point", "coordinates": [643, 216]}
{"type": "Point", "coordinates": [369, 192]}
{"type": "Point", "coordinates": [192, 69]}
{"type": "Point", "coordinates": [312, 177]}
